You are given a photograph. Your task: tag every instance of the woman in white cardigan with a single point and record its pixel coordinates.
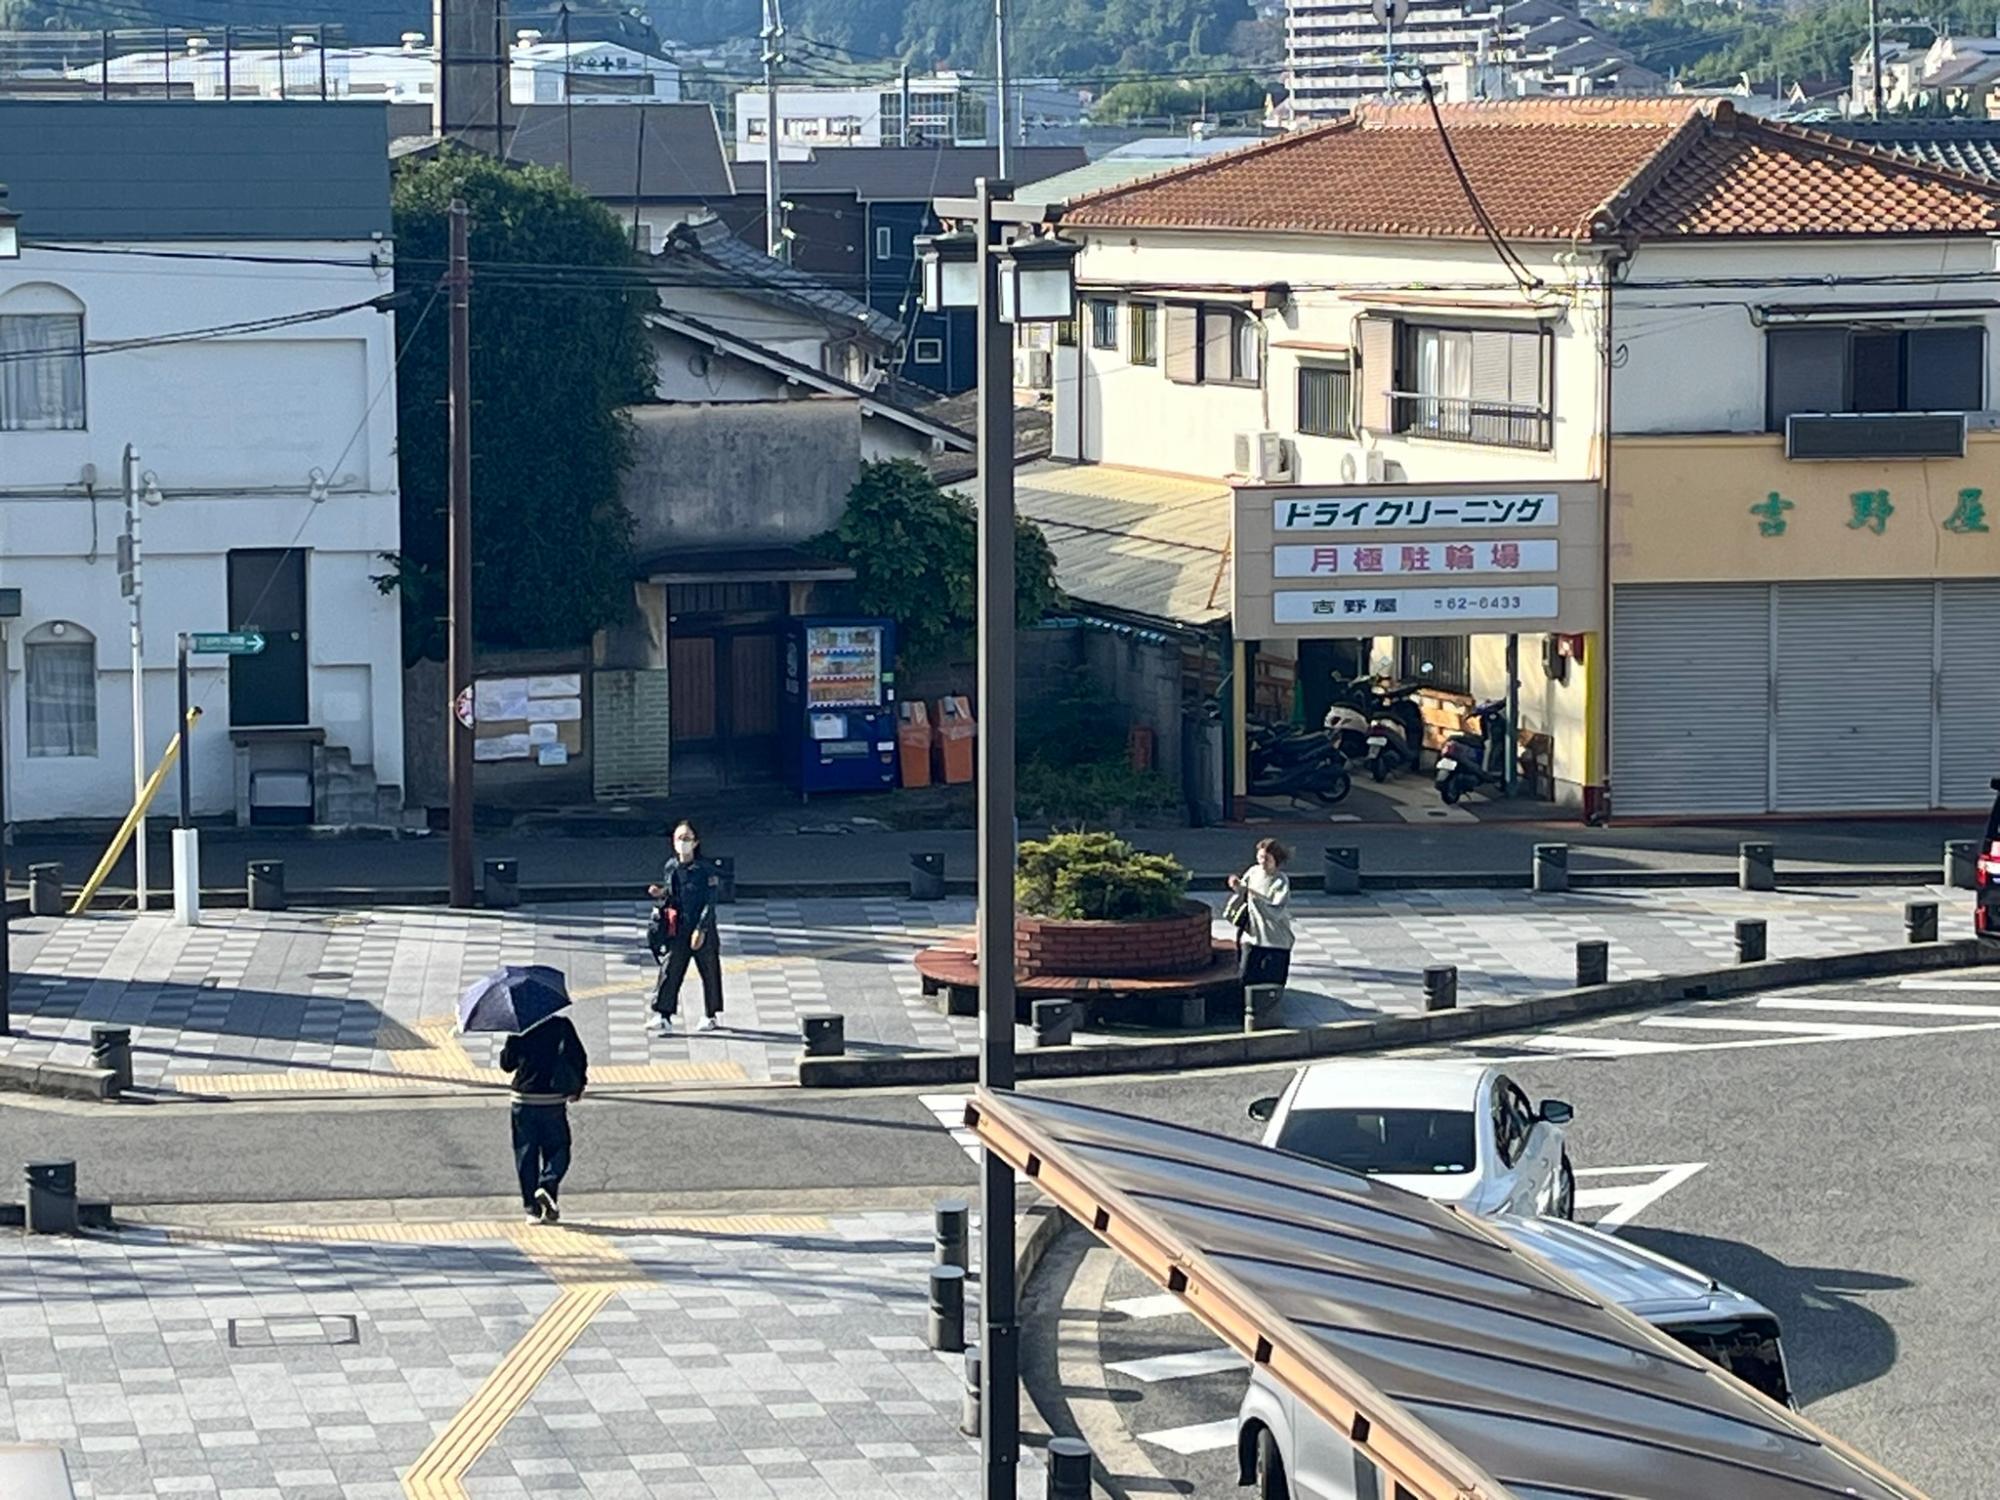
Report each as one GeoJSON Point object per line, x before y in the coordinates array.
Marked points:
{"type": "Point", "coordinates": [1267, 918]}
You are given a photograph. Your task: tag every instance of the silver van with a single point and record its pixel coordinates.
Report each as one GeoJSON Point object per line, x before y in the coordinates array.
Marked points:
{"type": "Point", "coordinates": [1288, 1453]}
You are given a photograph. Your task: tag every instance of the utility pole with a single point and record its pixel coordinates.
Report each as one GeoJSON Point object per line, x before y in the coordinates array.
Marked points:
{"type": "Point", "coordinates": [128, 582]}
{"type": "Point", "coordinates": [1000, 81]}
{"type": "Point", "coordinates": [6, 936]}
{"type": "Point", "coordinates": [459, 667]}
{"type": "Point", "coordinates": [1875, 57]}
{"type": "Point", "coordinates": [186, 840]}
{"type": "Point", "coordinates": [773, 35]}
{"type": "Point", "coordinates": [903, 136]}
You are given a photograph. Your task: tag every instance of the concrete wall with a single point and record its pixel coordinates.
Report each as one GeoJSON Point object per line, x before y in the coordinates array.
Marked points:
{"type": "Point", "coordinates": [1133, 415]}
{"type": "Point", "coordinates": [232, 429]}
{"type": "Point", "coordinates": [1694, 359]}
{"type": "Point", "coordinates": [741, 475]}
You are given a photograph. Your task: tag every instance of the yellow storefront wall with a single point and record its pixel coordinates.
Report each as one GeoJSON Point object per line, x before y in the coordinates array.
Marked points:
{"type": "Point", "coordinates": [1734, 509]}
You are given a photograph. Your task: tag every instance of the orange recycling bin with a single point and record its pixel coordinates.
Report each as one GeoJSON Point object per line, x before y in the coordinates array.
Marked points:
{"type": "Point", "coordinates": [913, 743]}
{"type": "Point", "coordinates": [956, 731]}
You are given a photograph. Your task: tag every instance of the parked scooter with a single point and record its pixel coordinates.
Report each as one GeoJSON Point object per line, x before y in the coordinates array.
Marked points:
{"type": "Point", "coordinates": [1470, 762]}
{"type": "Point", "coordinates": [1322, 775]}
{"type": "Point", "coordinates": [1388, 750]}
{"type": "Point", "coordinates": [1381, 725]}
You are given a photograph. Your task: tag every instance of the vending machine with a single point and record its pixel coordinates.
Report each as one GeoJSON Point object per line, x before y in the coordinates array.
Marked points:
{"type": "Point", "coordinates": [840, 696]}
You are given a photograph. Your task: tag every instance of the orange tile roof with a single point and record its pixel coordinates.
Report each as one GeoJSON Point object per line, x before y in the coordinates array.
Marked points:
{"type": "Point", "coordinates": [1561, 169]}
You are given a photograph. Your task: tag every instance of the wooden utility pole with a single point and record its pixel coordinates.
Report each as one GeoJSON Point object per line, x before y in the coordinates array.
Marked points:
{"type": "Point", "coordinates": [459, 665]}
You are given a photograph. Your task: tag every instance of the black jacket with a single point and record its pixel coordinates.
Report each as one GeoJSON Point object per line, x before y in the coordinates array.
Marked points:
{"type": "Point", "coordinates": [690, 892]}
{"type": "Point", "coordinates": [548, 1062]}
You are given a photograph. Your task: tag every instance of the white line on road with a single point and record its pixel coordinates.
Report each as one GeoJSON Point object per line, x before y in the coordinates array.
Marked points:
{"type": "Point", "coordinates": [1968, 985]}
{"type": "Point", "coordinates": [1638, 1201]}
{"type": "Point", "coordinates": [1828, 1029]}
{"type": "Point", "coordinates": [1989, 1011]}
{"type": "Point", "coordinates": [1201, 1437]}
{"type": "Point", "coordinates": [1603, 1046]}
{"type": "Point", "coordinates": [1668, 1166]}
{"type": "Point", "coordinates": [1182, 1366]}
{"type": "Point", "coordinates": [1159, 1305]}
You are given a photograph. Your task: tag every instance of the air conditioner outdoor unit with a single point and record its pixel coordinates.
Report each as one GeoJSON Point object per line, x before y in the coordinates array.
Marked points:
{"type": "Point", "coordinates": [1364, 466]}
{"type": "Point", "coordinates": [1034, 369]}
{"type": "Point", "coordinates": [1262, 457]}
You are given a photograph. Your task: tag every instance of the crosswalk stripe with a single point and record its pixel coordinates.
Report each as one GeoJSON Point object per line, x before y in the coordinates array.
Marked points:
{"type": "Point", "coordinates": [1181, 1366]}
{"type": "Point", "coordinates": [1607, 1046]}
{"type": "Point", "coordinates": [1969, 985]}
{"type": "Point", "coordinates": [1200, 1437]}
{"type": "Point", "coordinates": [949, 1111]}
{"type": "Point", "coordinates": [1989, 1011]}
{"type": "Point", "coordinates": [1158, 1305]}
{"type": "Point", "coordinates": [1792, 1028]}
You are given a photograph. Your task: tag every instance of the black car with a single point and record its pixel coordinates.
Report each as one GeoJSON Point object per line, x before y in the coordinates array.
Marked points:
{"type": "Point", "coordinates": [1986, 877]}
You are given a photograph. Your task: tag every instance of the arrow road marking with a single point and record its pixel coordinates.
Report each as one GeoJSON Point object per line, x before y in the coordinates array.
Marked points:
{"type": "Point", "coordinates": [1624, 1204]}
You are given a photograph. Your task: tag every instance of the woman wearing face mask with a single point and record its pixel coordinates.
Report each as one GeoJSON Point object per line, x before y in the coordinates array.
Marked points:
{"type": "Point", "coordinates": [684, 928]}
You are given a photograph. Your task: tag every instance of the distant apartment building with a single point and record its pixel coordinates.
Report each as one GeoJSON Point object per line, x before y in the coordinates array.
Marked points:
{"type": "Point", "coordinates": [943, 109]}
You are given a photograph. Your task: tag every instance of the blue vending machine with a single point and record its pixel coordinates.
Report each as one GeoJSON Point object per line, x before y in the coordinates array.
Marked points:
{"type": "Point", "coordinates": [840, 697]}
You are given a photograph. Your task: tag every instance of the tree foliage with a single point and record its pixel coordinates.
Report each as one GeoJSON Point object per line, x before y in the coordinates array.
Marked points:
{"type": "Point", "coordinates": [1781, 40]}
{"type": "Point", "coordinates": [914, 549]}
{"type": "Point", "coordinates": [1178, 99]}
{"type": "Point", "coordinates": [554, 356]}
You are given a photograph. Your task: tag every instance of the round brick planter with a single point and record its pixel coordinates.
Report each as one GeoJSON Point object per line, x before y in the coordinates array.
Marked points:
{"type": "Point", "coordinates": [1126, 950]}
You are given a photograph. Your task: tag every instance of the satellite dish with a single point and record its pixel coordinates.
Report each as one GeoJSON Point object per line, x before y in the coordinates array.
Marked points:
{"type": "Point", "coordinates": [1390, 12]}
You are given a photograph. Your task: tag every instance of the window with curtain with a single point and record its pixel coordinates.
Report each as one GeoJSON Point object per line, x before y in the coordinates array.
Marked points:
{"type": "Point", "coordinates": [1325, 402]}
{"type": "Point", "coordinates": [1145, 333]}
{"type": "Point", "coordinates": [61, 691]}
{"type": "Point", "coordinates": [41, 372]}
{"type": "Point", "coordinates": [1475, 385]}
{"type": "Point", "coordinates": [1103, 323]}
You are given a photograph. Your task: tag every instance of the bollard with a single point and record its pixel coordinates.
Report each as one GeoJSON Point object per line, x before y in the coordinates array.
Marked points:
{"type": "Point", "coordinates": [725, 879]}
{"type": "Point", "coordinates": [500, 888]}
{"type": "Point", "coordinates": [1750, 935]}
{"type": "Point", "coordinates": [825, 1032]}
{"type": "Point", "coordinates": [1054, 1022]}
{"type": "Point", "coordinates": [1757, 867]}
{"type": "Point", "coordinates": [1551, 867]}
{"type": "Point", "coordinates": [45, 890]}
{"type": "Point", "coordinates": [1342, 869]}
{"type": "Point", "coordinates": [1593, 963]}
{"type": "Point", "coordinates": [1441, 987]}
{"type": "Point", "coordinates": [1920, 921]}
{"type": "Point", "coordinates": [51, 1198]}
{"type": "Point", "coordinates": [968, 1414]}
{"type": "Point", "coordinates": [927, 877]}
{"type": "Point", "coordinates": [947, 1321]}
{"type": "Point", "coordinates": [1260, 1006]}
{"type": "Point", "coordinates": [265, 886]}
{"type": "Point", "coordinates": [1069, 1469]}
{"type": "Point", "coordinates": [111, 1047]}
{"type": "Point", "coordinates": [1961, 863]}
{"type": "Point", "coordinates": [951, 1224]}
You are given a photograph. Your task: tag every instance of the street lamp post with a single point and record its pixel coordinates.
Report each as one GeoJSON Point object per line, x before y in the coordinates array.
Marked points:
{"type": "Point", "coordinates": [1030, 280]}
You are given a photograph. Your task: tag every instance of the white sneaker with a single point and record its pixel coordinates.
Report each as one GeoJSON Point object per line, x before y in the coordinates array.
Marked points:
{"type": "Point", "coordinates": [665, 1028]}
{"type": "Point", "coordinates": [709, 1023]}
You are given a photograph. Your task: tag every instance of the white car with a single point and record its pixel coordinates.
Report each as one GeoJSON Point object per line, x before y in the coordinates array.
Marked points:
{"type": "Point", "coordinates": [1459, 1134]}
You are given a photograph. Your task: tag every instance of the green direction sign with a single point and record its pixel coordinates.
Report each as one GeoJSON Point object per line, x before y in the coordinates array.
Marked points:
{"type": "Point", "coordinates": [226, 642]}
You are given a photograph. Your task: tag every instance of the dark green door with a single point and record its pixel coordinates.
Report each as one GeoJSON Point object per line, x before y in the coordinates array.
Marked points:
{"type": "Point", "coordinates": [267, 593]}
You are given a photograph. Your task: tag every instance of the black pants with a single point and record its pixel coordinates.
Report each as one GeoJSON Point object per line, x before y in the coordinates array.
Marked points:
{"type": "Point", "coordinates": [1262, 965]}
{"type": "Point", "coordinates": [707, 963]}
{"type": "Point", "coordinates": [541, 1148]}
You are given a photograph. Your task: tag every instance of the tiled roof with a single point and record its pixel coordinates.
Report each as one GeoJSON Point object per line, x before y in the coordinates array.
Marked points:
{"type": "Point", "coordinates": [745, 269]}
{"type": "Point", "coordinates": [1561, 169]}
{"type": "Point", "coordinates": [907, 174]}
{"type": "Point", "coordinates": [1968, 146]}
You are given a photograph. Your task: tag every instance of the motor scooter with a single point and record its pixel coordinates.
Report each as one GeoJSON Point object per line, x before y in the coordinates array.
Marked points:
{"type": "Point", "coordinates": [1387, 749]}
{"type": "Point", "coordinates": [1470, 762]}
{"type": "Point", "coordinates": [1322, 775]}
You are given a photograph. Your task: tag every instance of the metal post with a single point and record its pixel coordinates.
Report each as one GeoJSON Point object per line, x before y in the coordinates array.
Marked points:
{"type": "Point", "coordinates": [903, 84]}
{"type": "Point", "coordinates": [1000, 82]}
{"type": "Point", "coordinates": [569, 135]}
{"type": "Point", "coordinates": [1875, 57]}
{"type": "Point", "coordinates": [166, 63]}
{"type": "Point", "coordinates": [319, 45]}
{"type": "Point", "coordinates": [104, 66]}
{"type": "Point", "coordinates": [773, 33]}
{"type": "Point", "coordinates": [1510, 767]}
{"type": "Point", "coordinates": [1000, 1393]}
{"type": "Point", "coordinates": [187, 777]}
{"type": "Point", "coordinates": [228, 61]}
{"type": "Point", "coordinates": [138, 673]}
{"type": "Point", "coordinates": [186, 840]}
{"type": "Point", "coordinates": [459, 280]}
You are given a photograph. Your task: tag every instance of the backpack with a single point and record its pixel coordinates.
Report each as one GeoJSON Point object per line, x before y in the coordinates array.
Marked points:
{"type": "Point", "coordinates": [568, 1075]}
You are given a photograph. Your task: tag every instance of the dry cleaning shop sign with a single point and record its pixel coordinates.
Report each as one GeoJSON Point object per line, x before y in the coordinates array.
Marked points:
{"type": "Point", "coordinates": [1465, 577]}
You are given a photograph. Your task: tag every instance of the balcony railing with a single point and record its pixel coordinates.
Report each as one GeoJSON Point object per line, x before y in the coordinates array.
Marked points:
{"type": "Point", "coordinates": [1453, 419]}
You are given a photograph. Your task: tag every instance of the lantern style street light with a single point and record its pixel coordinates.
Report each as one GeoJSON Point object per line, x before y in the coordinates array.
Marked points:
{"type": "Point", "coordinates": [1029, 281]}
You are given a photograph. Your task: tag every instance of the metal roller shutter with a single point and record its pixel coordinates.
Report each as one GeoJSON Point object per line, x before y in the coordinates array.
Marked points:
{"type": "Point", "coordinates": [1853, 709]}
{"type": "Point", "coordinates": [1969, 695]}
{"type": "Point", "coordinates": [1690, 699]}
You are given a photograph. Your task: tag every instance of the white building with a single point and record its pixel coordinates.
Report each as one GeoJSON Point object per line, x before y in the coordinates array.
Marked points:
{"type": "Point", "coordinates": [949, 109]}
{"type": "Point", "coordinates": [1798, 460]}
{"type": "Point", "coordinates": [540, 71]}
{"type": "Point", "coordinates": [1957, 71]}
{"type": "Point", "coordinates": [214, 317]}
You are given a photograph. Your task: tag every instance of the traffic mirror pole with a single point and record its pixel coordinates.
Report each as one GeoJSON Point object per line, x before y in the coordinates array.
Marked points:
{"type": "Point", "coordinates": [186, 841]}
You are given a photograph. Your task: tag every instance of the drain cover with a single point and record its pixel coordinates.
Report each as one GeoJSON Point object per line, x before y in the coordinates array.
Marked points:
{"type": "Point", "coordinates": [272, 1333]}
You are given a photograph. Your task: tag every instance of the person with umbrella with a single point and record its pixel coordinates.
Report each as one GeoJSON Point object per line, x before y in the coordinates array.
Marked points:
{"type": "Point", "coordinates": [683, 930]}
{"type": "Point", "coordinates": [550, 1070]}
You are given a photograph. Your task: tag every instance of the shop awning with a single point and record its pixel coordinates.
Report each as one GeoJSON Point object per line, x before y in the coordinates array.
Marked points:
{"type": "Point", "coordinates": [1461, 1364]}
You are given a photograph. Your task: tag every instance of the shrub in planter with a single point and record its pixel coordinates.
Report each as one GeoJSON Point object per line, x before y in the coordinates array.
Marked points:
{"type": "Point", "coordinates": [1097, 877]}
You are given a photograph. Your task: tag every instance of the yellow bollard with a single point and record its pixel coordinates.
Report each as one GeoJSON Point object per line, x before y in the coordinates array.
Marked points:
{"type": "Point", "coordinates": [124, 834]}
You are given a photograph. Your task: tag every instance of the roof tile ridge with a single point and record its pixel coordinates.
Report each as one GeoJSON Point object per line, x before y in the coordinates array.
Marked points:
{"type": "Point", "coordinates": [1272, 146]}
{"type": "Point", "coordinates": [1610, 216]}
{"type": "Point", "coordinates": [1788, 133]}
